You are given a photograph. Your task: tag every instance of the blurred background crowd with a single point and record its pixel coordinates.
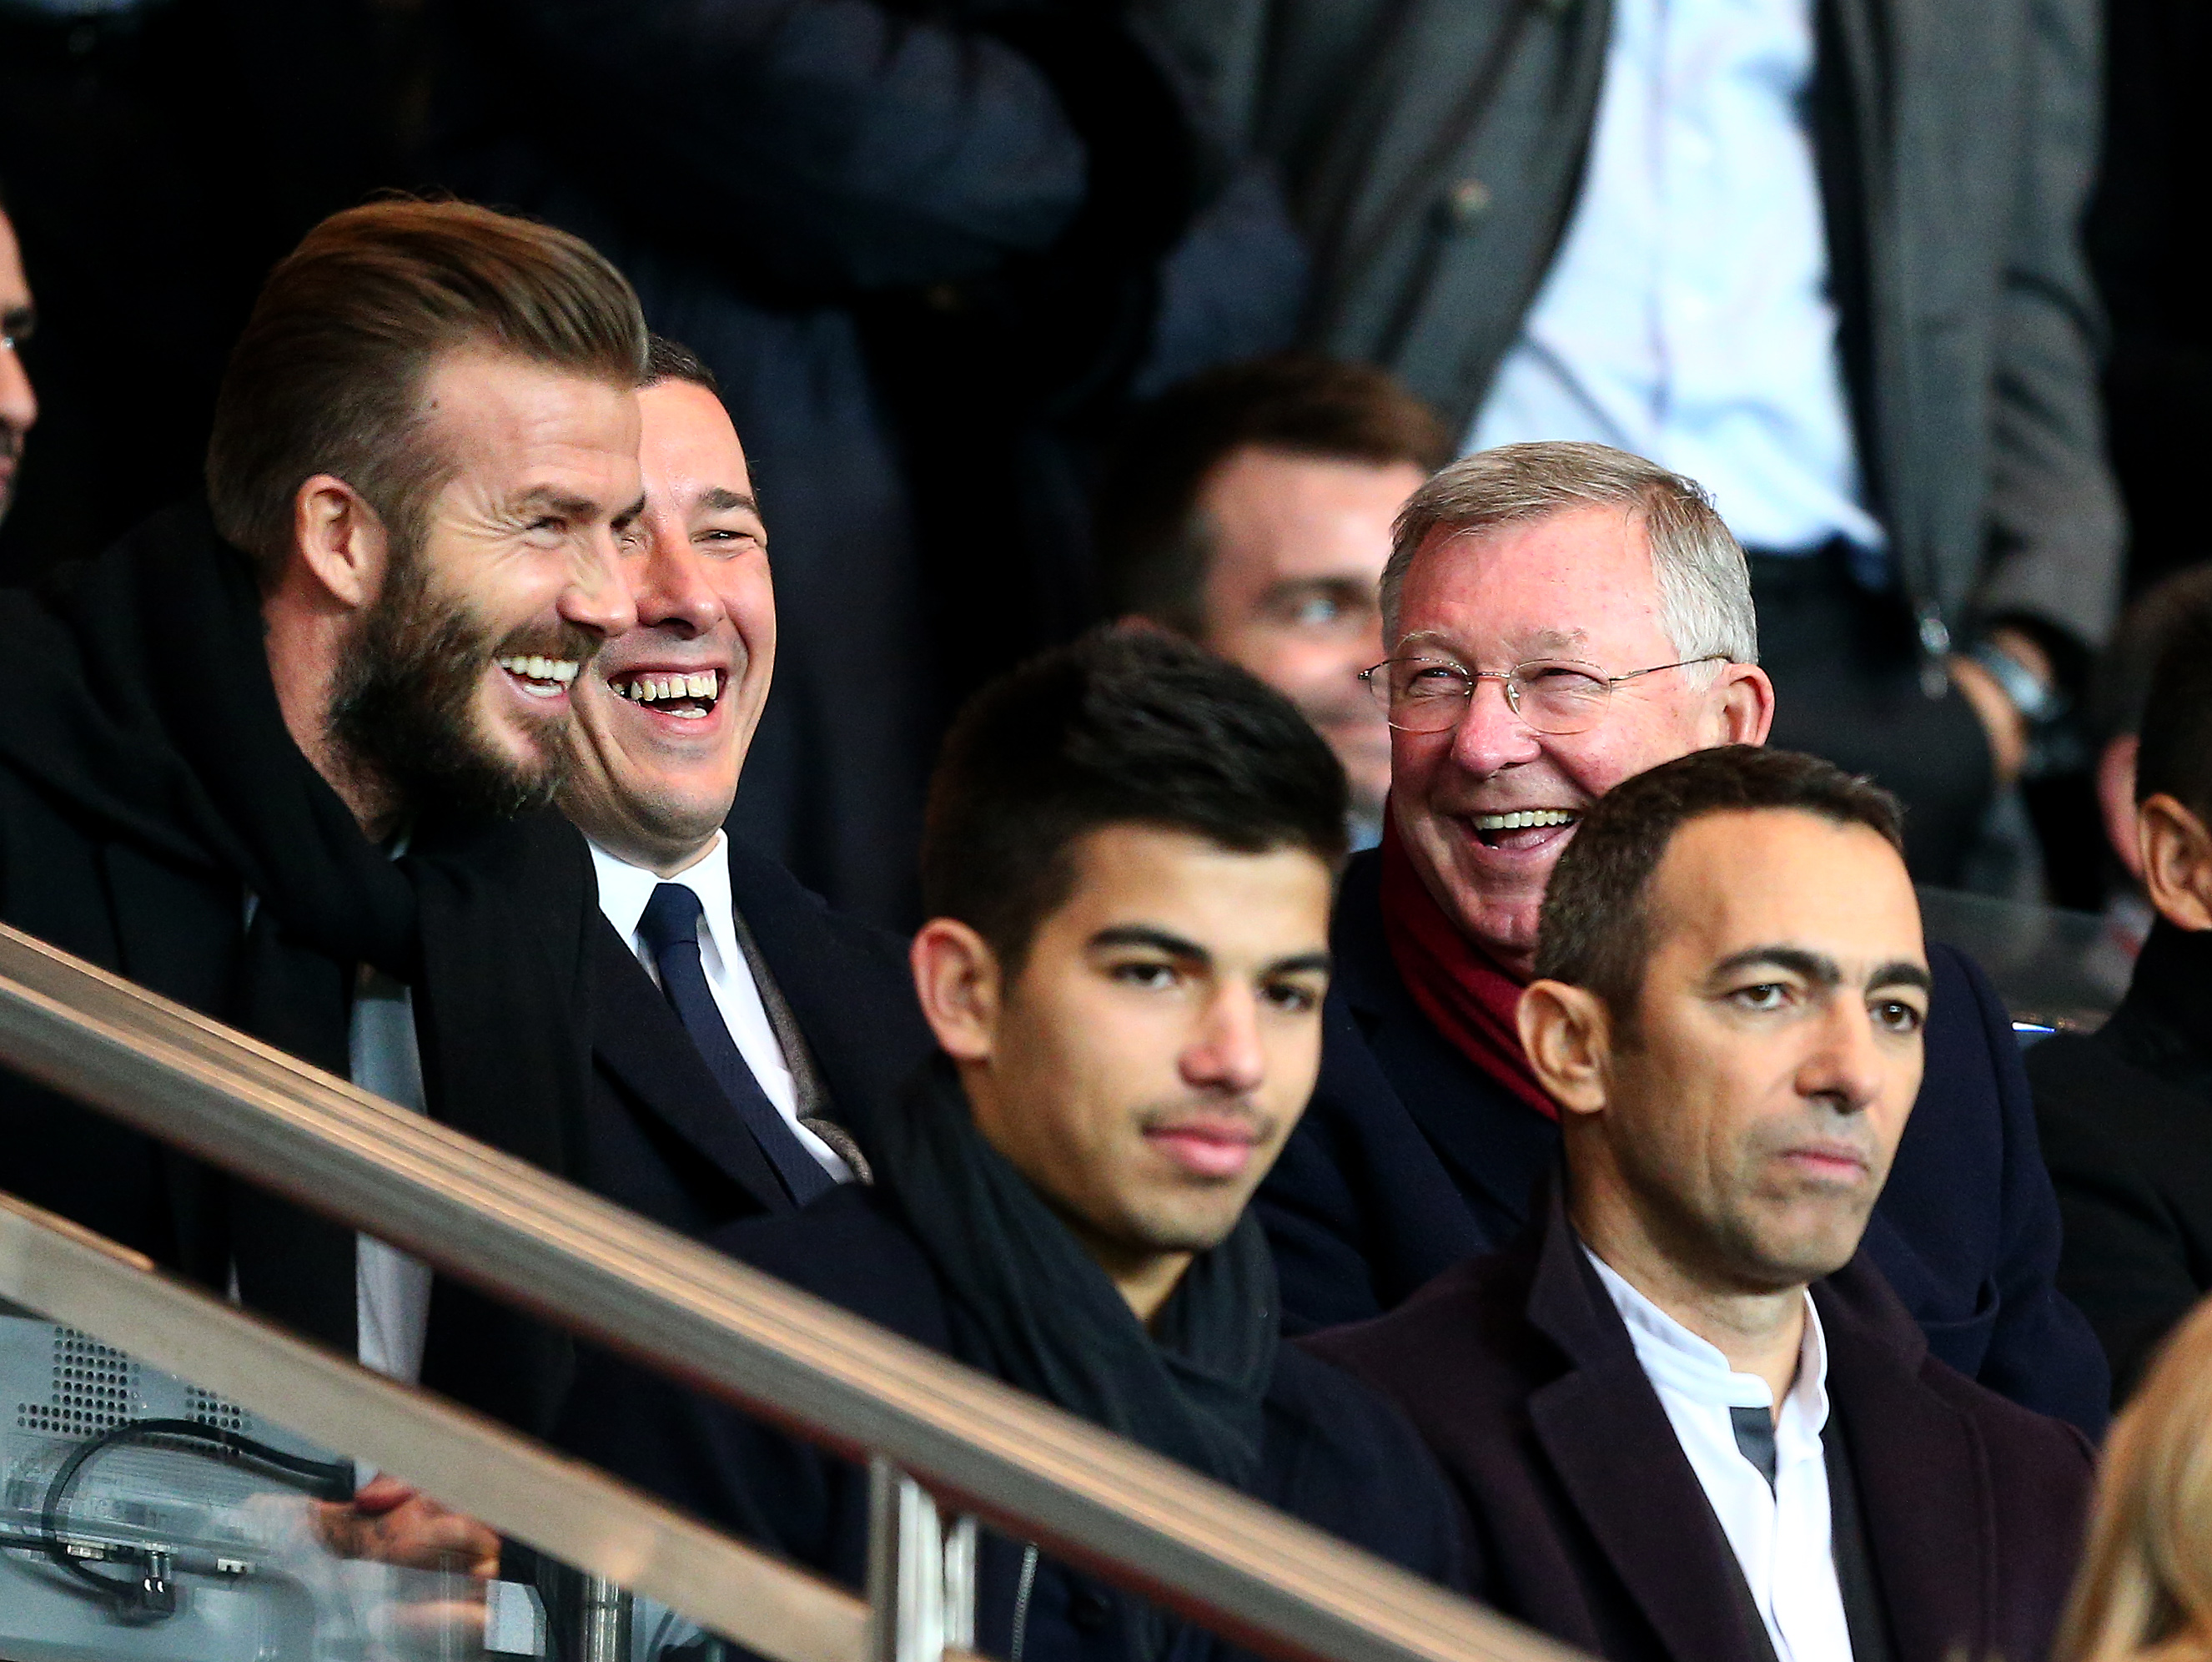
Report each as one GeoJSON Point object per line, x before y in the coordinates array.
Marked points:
{"type": "Point", "coordinates": [1035, 312]}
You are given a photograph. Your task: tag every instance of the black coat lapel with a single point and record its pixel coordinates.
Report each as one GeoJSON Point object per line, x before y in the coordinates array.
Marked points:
{"type": "Point", "coordinates": [1615, 1453]}
{"type": "Point", "coordinates": [1923, 1487]}
{"type": "Point", "coordinates": [638, 1041]}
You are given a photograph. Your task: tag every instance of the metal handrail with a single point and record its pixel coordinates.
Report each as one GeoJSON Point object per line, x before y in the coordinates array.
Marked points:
{"type": "Point", "coordinates": [1122, 1512]}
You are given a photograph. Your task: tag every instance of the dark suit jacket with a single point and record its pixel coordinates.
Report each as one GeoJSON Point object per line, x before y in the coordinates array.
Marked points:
{"type": "Point", "coordinates": [1435, 150]}
{"type": "Point", "coordinates": [1589, 1522]}
{"type": "Point", "coordinates": [1333, 1454]}
{"type": "Point", "coordinates": [661, 1138]}
{"type": "Point", "coordinates": [2126, 1115]}
{"type": "Point", "coordinates": [1410, 1158]}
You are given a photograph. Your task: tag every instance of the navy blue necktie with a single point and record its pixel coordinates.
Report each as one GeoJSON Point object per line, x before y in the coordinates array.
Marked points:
{"type": "Point", "coordinates": [670, 927]}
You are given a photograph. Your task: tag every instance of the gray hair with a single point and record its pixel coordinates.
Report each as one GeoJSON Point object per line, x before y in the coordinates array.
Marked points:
{"type": "Point", "coordinates": [1705, 587]}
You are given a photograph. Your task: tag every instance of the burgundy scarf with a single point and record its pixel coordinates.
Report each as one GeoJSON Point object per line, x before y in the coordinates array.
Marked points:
{"type": "Point", "coordinates": [1458, 987]}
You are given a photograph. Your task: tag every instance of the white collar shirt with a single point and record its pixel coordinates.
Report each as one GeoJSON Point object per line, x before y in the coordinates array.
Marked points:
{"type": "Point", "coordinates": [1783, 1537]}
{"type": "Point", "coordinates": [624, 889]}
{"type": "Point", "coordinates": [1686, 315]}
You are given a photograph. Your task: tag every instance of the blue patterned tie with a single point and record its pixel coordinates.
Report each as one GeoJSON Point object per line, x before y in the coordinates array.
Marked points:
{"type": "Point", "coordinates": [670, 927]}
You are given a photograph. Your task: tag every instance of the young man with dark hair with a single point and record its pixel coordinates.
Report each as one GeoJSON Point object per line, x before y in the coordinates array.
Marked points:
{"type": "Point", "coordinates": [2123, 1110]}
{"type": "Point", "coordinates": [1249, 510]}
{"type": "Point", "coordinates": [265, 758]}
{"type": "Point", "coordinates": [1128, 859]}
{"type": "Point", "coordinates": [19, 405]}
{"type": "Point", "coordinates": [1688, 1419]}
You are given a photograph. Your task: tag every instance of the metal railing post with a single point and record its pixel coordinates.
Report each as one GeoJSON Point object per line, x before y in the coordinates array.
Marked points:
{"type": "Point", "coordinates": [921, 1580]}
{"type": "Point", "coordinates": [602, 1623]}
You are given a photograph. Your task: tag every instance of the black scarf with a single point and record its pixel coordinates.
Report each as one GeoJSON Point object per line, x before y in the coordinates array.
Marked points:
{"type": "Point", "coordinates": [138, 692]}
{"type": "Point", "coordinates": [1027, 1303]}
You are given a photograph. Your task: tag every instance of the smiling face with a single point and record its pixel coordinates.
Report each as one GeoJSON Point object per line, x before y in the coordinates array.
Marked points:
{"type": "Point", "coordinates": [1159, 1043]}
{"type": "Point", "coordinates": [1298, 546]}
{"type": "Point", "coordinates": [664, 714]}
{"type": "Point", "coordinates": [1746, 1119]}
{"type": "Point", "coordinates": [1486, 807]}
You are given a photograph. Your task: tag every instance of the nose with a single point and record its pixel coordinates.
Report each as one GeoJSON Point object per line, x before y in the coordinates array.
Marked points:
{"type": "Point", "coordinates": [1845, 1065]}
{"type": "Point", "coordinates": [1225, 1055]}
{"type": "Point", "coordinates": [19, 405]}
{"type": "Point", "coordinates": [597, 598]}
{"type": "Point", "coordinates": [669, 583]}
{"type": "Point", "coordinates": [1490, 737]}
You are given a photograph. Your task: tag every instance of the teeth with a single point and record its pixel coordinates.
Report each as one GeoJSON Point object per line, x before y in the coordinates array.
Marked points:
{"type": "Point", "coordinates": [1526, 819]}
{"type": "Point", "coordinates": [653, 689]}
{"type": "Point", "coordinates": [559, 670]}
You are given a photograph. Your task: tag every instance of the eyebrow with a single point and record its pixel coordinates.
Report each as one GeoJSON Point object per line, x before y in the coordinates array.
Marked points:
{"type": "Point", "coordinates": [573, 507]}
{"type": "Point", "coordinates": [1144, 935]}
{"type": "Point", "coordinates": [1818, 968]}
{"type": "Point", "coordinates": [1538, 642]}
{"type": "Point", "coordinates": [19, 320]}
{"type": "Point", "coordinates": [717, 499]}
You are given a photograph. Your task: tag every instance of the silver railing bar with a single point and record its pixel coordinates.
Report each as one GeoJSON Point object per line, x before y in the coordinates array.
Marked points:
{"type": "Point", "coordinates": [1122, 1512]}
{"type": "Point", "coordinates": [561, 1506]}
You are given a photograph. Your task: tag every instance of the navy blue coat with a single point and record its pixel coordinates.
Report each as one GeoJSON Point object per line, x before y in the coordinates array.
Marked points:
{"type": "Point", "coordinates": [1588, 1523]}
{"type": "Point", "coordinates": [1334, 1454]}
{"type": "Point", "coordinates": [1410, 1160]}
{"type": "Point", "coordinates": [659, 1137]}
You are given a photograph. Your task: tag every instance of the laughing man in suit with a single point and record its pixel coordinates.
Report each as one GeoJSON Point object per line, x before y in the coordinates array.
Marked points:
{"type": "Point", "coordinates": [1689, 1417]}
{"type": "Point", "coordinates": [741, 1028]}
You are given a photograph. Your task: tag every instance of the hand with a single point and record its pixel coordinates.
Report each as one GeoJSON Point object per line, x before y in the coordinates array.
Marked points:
{"type": "Point", "coordinates": [2001, 722]}
{"type": "Point", "coordinates": [390, 1522]}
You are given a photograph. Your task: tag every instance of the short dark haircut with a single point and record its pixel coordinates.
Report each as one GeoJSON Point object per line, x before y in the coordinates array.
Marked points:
{"type": "Point", "coordinates": [1595, 929]}
{"type": "Point", "coordinates": [2175, 758]}
{"type": "Point", "coordinates": [672, 360]}
{"type": "Point", "coordinates": [2119, 686]}
{"type": "Point", "coordinates": [328, 376]}
{"type": "Point", "coordinates": [1154, 547]}
{"type": "Point", "coordinates": [1124, 725]}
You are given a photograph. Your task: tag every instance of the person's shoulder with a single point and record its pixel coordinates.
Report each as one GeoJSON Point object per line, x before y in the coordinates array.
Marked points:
{"type": "Point", "coordinates": [1466, 1323]}
{"type": "Point", "coordinates": [2028, 1451]}
{"type": "Point", "coordinates": [850, 1249]}
{"type": "Point", "coordinates": [2085, 1081]}
{"type": "Point", "coordinates": [771, 898]}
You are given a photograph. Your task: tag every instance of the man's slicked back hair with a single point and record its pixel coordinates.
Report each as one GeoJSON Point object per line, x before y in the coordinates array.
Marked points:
{"type": "Point", "coordinates": [1703, 579]}
{"type": "Point", "coordinates": [1595, 929]}
{"type": "Point", "coordinates": [2175, 758]}
{"type": "Point", "coordinates": [1154, 544]}
{"type": "Point", "coordinates": [328, 376]}
{"type": "Point", "coordinates": [1125, 725]}
{"type": "Point", "coordinates": [672, 360]}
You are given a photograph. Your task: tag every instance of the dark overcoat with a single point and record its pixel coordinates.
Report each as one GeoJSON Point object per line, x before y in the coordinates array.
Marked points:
{"type": "Point", "coordinates": [1587, 1521]}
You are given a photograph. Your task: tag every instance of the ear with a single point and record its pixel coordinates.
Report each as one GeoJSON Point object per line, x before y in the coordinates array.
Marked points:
{"type": "Point", "coordinates": [340, 539]}
{"type": "Point", "coordinates": [957, 977]}
{"type": "Point", "coordinates": [2177, 861]}
{"type": "Point", "coordinates": [1743, 705]}
{"type": "Point", "coordinates": [1568, 1035]}
{"type": "Point", "coordinates": [2116, 799]}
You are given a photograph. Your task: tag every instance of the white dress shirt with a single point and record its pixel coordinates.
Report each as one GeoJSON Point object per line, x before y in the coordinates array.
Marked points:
{"type": "Point", "coordinates": [624, 889]}
{"type": "Point", "coordinates": [1783, 1537]}
{"type": "Point", "coordinates": [1686, 315]}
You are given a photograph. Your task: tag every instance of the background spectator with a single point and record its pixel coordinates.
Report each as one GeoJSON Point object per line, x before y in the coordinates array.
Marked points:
{"type": "Point", "coordinates": [1249, 510]}
{"type": "Point", "coordinates": [2145, 1589]}
{"type": "Point", "coordinates": [19, 405]}
{"type": "Point", "coordinates": [1828, 267]}
{"type": "Point", "coordinates": [929, 251]}
{"type": "Point", "coordinates": [2123, 1110]}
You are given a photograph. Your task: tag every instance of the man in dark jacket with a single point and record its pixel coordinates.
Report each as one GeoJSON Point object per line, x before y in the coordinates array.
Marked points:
{"type": "Point", "coordinates": [1688, 1420]}
{"type": "Point", "coordinates": [267, 762]}
{"type": "Point", "coordinates": [2123, 1110]}
{"type": "Point", "coordinates": [743, 1032]}
{"type": "Point", "coordinates": [931, 248]}
{"type": "Point", "coordinates": [1611, 603]}
{"type": "Point", "coordinates": [1129, 863]}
